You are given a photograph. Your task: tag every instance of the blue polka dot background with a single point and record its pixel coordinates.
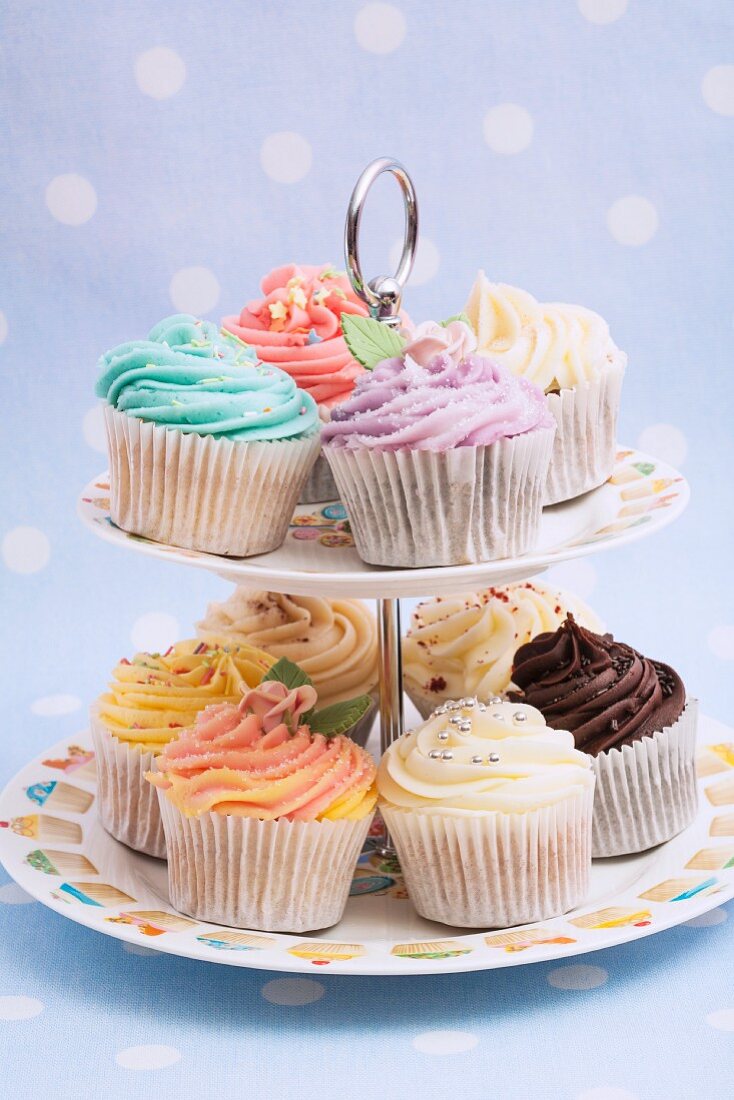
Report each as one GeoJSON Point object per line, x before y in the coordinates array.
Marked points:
{"type": "Point", "coordinates": [164, 157]}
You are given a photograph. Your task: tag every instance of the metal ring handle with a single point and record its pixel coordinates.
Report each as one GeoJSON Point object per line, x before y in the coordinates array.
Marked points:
{"type": "Point", "coordinates": [381, 295]}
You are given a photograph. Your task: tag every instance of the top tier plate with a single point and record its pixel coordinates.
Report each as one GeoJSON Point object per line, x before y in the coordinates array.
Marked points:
{"type": "Point", "coordinates": [318, 557]}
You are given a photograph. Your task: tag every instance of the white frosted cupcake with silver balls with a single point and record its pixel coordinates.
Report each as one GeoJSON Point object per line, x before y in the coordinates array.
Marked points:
{"type": "Point", "coordinates": [490, 812]}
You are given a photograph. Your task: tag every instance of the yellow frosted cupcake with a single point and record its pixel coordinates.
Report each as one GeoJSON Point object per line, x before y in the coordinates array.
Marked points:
{"type": "Point", "coordinates": [490, 812]}
{"type": "Point", "coordinates": [464, 645]}
{"type": "Point", "coordinates": [333, 641]}
{"type": "Point", "coordinates": [149, 701]}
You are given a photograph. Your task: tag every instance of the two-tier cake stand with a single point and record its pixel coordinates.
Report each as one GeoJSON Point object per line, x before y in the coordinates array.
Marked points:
{"type": "Point", "coordinates": [55, 847]}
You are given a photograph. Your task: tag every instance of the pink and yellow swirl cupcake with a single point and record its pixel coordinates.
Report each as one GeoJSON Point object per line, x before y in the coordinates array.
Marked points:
{"type": "Point", "coordinates": [296, 326]}
{"type": "Point", "coordinates": [264, 817]}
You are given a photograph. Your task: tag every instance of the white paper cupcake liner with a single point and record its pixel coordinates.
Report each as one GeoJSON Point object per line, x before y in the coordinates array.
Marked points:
{"type": "Point", "coordinates": [202, 493]}
{"type": "Point", "coordinates": [586, 440]}
{"type": "Point", "coordinates": [495, 870]}
{"type": "Point", "coordinates": [422, 508]}
{"type": "Point", "coordinates": [646, 792]}
{"type": "Point", "coordinates": [127, 804]}
{"type": "Point", "coordinates": [319, 485]}
{"type": "Point", "coordinates": [276, 876]}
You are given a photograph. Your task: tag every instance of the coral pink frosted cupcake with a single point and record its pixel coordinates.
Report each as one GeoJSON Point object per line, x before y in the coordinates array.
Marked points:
{"type": "Point", "coordinates": [265, 807]}
{"type": "Point", "coordinates": [296, 326]}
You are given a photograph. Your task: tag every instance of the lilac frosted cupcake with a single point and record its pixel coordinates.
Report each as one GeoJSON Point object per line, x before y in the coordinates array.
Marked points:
{"type": "Point", "coordinates": [440, 455]}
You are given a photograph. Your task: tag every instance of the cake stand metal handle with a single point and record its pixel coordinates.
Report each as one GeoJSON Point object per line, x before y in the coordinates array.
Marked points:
{"type": "Point", "coordinates": [383, 294]}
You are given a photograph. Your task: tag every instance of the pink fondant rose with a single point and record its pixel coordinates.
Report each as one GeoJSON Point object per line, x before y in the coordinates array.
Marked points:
{"type": "Point", "coordinates": [274, 704]}
{"type": "Point", "coordinates": [430, 339]}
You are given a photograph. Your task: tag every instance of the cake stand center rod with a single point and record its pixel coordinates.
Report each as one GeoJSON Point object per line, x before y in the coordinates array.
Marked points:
{"type": "Point", "coordinates": [391, 683]}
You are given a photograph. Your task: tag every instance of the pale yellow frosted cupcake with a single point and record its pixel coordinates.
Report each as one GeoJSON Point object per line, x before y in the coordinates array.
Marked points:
{"type": "Point", "coordinates": [464, 645]}
{"type": "Point", "coordinates": [149, 701]}
{"type": "Point", "coordinates": [333, 641]}
{"type": "Point", "coordinates": [490, 812]}
{"type": "Point", "coordinates": [568, 352]}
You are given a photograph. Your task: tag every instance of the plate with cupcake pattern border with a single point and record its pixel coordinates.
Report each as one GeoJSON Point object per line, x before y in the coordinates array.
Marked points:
{"type": "Point", "coordinates": [318, 556]}
{"type": "Point", "coordinates": [53, 845]}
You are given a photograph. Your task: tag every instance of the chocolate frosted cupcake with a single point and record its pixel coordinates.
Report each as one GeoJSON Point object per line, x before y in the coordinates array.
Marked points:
{"type": "Point", "coordinates": [631, 715]}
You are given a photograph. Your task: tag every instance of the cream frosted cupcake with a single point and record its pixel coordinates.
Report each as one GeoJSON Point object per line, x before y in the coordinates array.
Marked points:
{"type": "Point", "coordinates": [149, 701]}
{"type": "Point", "coordinates": [490, 813]}
{"type": "Point", "coordinates": [208, 447]}
{"type": "Point", "coordinates": [440, 456]}
{"type": "Point", "coordinates": [266, 806]}
{"type": "Point", "coordinates": [333, 641]}
{"type": "Point", "coordinates": [464, 645]}
{"type": "Point", "coordinates": [568, 352]}
{"type": "Point", "coordinates": [631, 715]}
{"type": "Point", "coordinates": [296, 326]}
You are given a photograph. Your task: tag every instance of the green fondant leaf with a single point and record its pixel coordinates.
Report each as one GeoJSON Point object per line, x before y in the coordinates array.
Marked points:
{"type": "Point", "coordinates": [456, 317]}
{"type": "Point", "coordinates": [339, 717]}
{"type": "Point", "coordinates": [370, 341]}
{"type": "Point", "coordinates": [286, 672]}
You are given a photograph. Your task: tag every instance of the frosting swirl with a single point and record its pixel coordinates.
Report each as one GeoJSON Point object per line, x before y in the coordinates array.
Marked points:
{"type": "Point", "coordinates": [502, 758]}
{"type": "Point", "coordinates": [606, 693]}
{"type": "Point", "coordinates": [189, 377]}
{"type": "Point", "coordinates": [464, 645]}
{"type": "Point", "coordinates": [457, 400]}
{"type": "Point", "coordinates": [333, 641]}
{"type": "Point", "coordinates": [154, 696]}
{"type": "Point", "coordinates": [245, 760]}
{"type": "Point", "coordinates": [296, 326]}
{"type": "Point", "coordinates": [553, 344]}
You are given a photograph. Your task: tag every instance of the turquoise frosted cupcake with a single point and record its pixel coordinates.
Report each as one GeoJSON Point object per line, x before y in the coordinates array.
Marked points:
{"type": "Point", "coordinates": [209, 448]}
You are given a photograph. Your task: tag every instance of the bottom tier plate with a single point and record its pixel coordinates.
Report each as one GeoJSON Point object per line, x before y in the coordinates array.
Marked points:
{"type": "Point", "coordinates": [53, 845]}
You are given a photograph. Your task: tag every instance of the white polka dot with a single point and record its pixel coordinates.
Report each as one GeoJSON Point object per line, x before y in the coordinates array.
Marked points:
{"type": "Point", "coordinates": [94, 430]}
{"type": "Point", "coordinates": [159, 72]}
{"type": "Point", "coordinates": [632, 220]}
{"type": "Point", "coordinates": [3, 327]}
{"type": "Point", "coordinates": [138, 949]}
{"type": "Point", "coordinates": [718, 89]}
{"type": "Point", "coordinates": [580, 976]}
{"type": "Point", "coordinates": [49, 706]}
{"type": "Point", "coordinates": [714, 916]}
{"type": "Point", "coordinates": [379, 28]}
{"type": "Point", "coordinates": [155, 632]}
{"type": "Point", "coordinates": [445, 1042]}
{"type": "Point", "coordinates": [602, 11]}
{"type": "Point", "coordinates": [286, 157]}
{"type": "Point", "coordinates": [721, 642]}
{"type": "Point", "coordinates": [607, 1092]}
{"type": "Point", "coordinates": [19, 1008]}
{"type": "Point", "coordinates": [26, 550]}
{"type": "Point", "coordinates": [292, 991]}
{"type": "Point", "coordinates": [508, 128]}
{"type": "Point", "coordinates": [71, 199]}
{"type": "Point", "coordinates": [12, 894]}
{"type": "Point", "coordinates": [427, 260]}
{"type": "Point", "coordinates": [664, 441]}
{"type": "Point", "coordinates": [194, 290]}
{"type": "Point", "coordinates": [579, 577]}
{"type": "Point", "coordinates": [149, 1056]}
{"type": "Point", "coordinates": [723, 1020]}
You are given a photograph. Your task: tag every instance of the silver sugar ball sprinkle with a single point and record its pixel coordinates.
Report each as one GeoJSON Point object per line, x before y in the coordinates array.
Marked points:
{"type": "Point", "coordinates": [520, 716]}
{"type": "Point", "coordinates": [434, 754]}
{"type": "Point", "coordinates": [498, 716]}
{"type": "Point", "coordinates": [447, 754]}
{"type": "Point", "coordinates": [468, 703]}
{"type": "Point", "coordinates": [443, 735]}
{"type": "Point", "coordinates": [477, 760]}
{"type": "Point", "coordinates": [456, 720]}
{"type": "Point", "coordinates": [465, 727]}
{"type": "Point", "coordinates": [493, 758]}
{"type": "Point", "coordinates": [495, 699]}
